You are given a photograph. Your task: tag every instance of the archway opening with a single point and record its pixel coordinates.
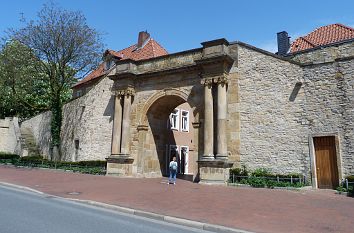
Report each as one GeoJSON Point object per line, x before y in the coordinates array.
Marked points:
{"type": "Point", "coordinates": [170, 134]}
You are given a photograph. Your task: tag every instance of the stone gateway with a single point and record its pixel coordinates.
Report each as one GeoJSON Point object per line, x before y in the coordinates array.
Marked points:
{"type": "Point", "coordinates": [291, 113]}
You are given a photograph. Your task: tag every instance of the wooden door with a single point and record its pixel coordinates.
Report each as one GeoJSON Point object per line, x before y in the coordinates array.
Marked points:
{"type": "Point", "coordinates": [326, 162]}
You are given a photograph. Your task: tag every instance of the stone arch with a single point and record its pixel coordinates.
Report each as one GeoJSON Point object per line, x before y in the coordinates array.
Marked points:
{"type": "Point", "coordinates": [165, 92]}
{"type": "Point", "coordinates": [155, 139]}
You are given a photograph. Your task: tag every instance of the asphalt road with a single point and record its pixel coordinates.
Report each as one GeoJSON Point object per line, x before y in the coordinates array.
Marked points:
{"type": "Point", "coordinates": [22, 211]}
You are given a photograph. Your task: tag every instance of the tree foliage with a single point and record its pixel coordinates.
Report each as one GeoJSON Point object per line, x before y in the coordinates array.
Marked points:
{"type": "Point", "coordinates": [23, 90]}
{"type": "Point", "coordinates": [65, 47]}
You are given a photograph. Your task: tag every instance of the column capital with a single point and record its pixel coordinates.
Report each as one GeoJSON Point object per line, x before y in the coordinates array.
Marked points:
{"type": "Point", "coordinates": [222, 79]}
{"type": "Point", "coordinates": [207, 82]}
{"type": "Point", "coordinates": [130, 91]}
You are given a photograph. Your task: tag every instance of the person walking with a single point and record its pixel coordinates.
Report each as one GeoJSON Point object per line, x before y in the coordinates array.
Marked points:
{"type": "Point", "coordinates": [173, 171]}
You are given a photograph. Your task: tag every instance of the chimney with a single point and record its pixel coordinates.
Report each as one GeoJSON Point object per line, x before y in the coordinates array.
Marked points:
{"type": "Point", "coordinates": [143, 37]}
{"type": "Point", "coordinates": [283, 43]}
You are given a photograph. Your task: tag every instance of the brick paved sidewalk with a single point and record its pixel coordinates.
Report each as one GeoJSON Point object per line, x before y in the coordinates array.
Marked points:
{"type": "Point", "coordinates": [259, 210]}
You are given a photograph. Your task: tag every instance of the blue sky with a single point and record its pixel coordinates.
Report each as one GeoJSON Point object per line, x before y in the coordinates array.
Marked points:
{"type": "Point", "coordinates": [183, 24]}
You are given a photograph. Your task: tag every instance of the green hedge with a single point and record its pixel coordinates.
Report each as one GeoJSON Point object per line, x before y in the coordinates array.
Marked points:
{"type": "Point", "coordinates": [263, 177]}
{"type": "Point", "coordinates": [5, 155]}
{"type": "Point", "coordinates": [90, 167]}
{"type": "Point", "coordinates": [262, 182]}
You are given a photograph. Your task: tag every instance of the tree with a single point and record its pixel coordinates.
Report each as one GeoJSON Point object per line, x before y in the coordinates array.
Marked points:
{"type": "Point", "coordinates": [65, 46]}
{"type": "Point", "coordinates": [23, 90]}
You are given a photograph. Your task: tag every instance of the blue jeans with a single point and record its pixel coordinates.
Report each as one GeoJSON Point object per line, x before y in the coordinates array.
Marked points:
{"type": "Point", "coordinates": [172, 177]}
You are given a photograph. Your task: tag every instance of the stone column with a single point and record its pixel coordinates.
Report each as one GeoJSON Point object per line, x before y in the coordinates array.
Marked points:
{"type": "Point", "coordinates": [221, 140]}
{"type": "Point", "coordinates": [126, 122]}
{"type": "Point", "coordinates": [208, 120]}
{"type": "Point", "coordinates": [117, 125]}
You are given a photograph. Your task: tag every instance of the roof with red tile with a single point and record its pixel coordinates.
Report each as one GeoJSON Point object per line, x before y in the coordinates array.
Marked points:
{"type": "Point", "coordinates": [322, 36]}
{"type": "Point", "coordinates": [151, 49]}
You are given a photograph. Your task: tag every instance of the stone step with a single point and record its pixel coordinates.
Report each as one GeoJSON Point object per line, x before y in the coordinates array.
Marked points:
{"type": "Point", "coordinates": [28, 142]}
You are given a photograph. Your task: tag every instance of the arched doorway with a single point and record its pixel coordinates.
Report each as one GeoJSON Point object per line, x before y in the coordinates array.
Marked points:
{"type": "Point", "coordinates": [170, 133]}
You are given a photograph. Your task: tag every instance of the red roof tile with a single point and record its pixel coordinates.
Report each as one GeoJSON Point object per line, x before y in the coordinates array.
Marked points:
{"type": "Point", "coordinates": [151, 49]}
{"type": "Point", "coordinates": [321, 36]}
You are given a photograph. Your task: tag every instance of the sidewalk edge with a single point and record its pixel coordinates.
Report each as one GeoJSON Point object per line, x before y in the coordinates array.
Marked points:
{"type": "Point", "coordinates": [21, 187]}
{"type": "Point", "coordinates": [165, 218]}
{"type": "Point", "coordinates": [151, 215]}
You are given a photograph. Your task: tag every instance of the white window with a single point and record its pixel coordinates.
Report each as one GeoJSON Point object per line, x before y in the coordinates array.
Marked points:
{"type": "Point", "coordinates": [174, 119]}
{"type": "Point", "coordinates": [185, 121]}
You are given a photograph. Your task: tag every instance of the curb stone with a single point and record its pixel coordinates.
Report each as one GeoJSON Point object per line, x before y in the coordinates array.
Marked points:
{"type": "Point", "coordinates": [169, 219]}
{"type": "Point", "coordinates": [21, 187]}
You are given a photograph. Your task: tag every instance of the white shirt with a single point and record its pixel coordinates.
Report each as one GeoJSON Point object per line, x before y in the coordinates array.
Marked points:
{"type": "Point", "coordinates": [173, 163]}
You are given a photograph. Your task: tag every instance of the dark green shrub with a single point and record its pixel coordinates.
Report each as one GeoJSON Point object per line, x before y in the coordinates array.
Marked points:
{"type": "Point", "coordinates": [293, 175]}
{"type": "Point", "coordinates": [257, 182]}
{"type": "Point", "coordinates": [5, 155]}
{"type": "Point", "coordinates": [351, 191]}
{"type": "Point", "coordinates": [244, 181]}
{"type": "Point", "coordinates": [239, 171]}
{"type": "Point", "coordinates": [236, 174]}
{"type": "Point", "coordinates": [341, 189]}
{"type": "Point", "coordinates": [262, 172]}
{"type": "Point", "coordinates": [271, 184]}
{"type": "Point", "coordinates": [92, 163]}
{"type": "Point", "coordinates": [32, 159]}
{"type": "Point", "coordinates": [235, 171]}
{"type": "Point", "coordinates": [350, 178]}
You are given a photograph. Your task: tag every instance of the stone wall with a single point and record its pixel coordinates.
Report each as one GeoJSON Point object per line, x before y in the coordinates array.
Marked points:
{"type": "Point", "coordinates": [330, 103]}
{"type": "Point", "coordinates": [9, 140]}
{"type": "Point", "coordinates": [273, 133]}
{"type": "Point", "coordinates": [87, 124]}
{"type": "Point", "coordinates": [39, 127]}
{"type": "Point", "coordinates": [328, 83]}
{"type": "Point", "coordinates": [325, 54]}
{"type": "Point", "coordinates": [274, 108]}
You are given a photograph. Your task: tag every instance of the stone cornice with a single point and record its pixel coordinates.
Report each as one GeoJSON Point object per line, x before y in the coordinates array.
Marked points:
{"type": "Point", "coordinates": [222, 58]}
{"type": "Point", "coordinates": [221, 41]}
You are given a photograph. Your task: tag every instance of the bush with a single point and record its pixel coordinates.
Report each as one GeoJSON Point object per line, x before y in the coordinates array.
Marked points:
{"type": "Point", "coordinates": [96, 167]}
{"type": "Point", "coordinates": [341, 189]}
{"type": "Point", "coordinates": [262, 177]}
{"type": "Point", "coordinates": [92, 163]}
{"type": "Point", "coordinates": [350, 178]}
{"type": "Point", "coordinates": [5, 155]}
{"type": "Point", "coordinates": [293, 175]}
{"type": "Point", "coordinates": [237, 173]}
{"type": "Point", "coordinates": [262, 172]}
{"type": "Point", "coordinates": [32, 159]}
{"type": "Point", "coordinates": [351, 191]}
{"type": "Point", "coordinates": [257, 182]}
